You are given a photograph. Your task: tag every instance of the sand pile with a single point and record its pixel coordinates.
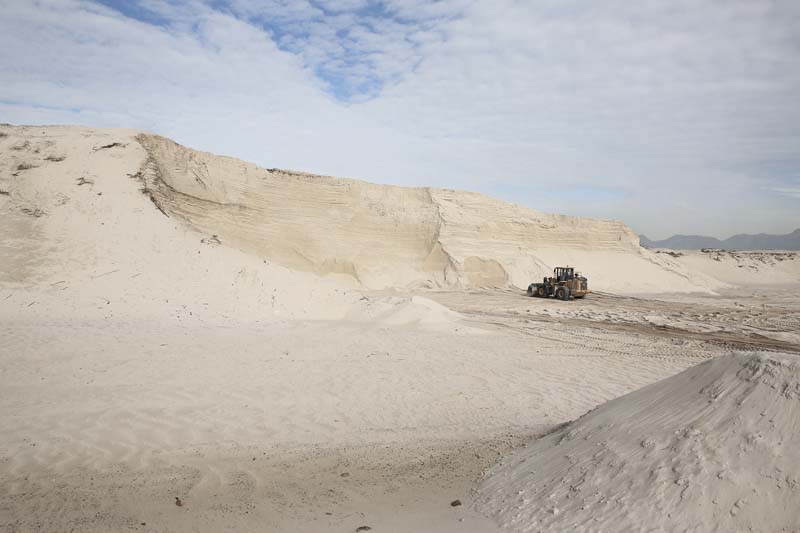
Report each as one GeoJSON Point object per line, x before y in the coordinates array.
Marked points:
{"type": "Point", "coordinates": [713, 448]}
{"type": "Point", "coordinates": [80, 237]}
{"type": "Point", "coordinates": [385, 236]}
{"type": "Point", "coordinates": [83, 202]}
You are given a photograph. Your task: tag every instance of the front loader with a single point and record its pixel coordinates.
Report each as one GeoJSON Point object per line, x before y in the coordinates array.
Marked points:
{"type": "Point", "coordinates": [565, 284]}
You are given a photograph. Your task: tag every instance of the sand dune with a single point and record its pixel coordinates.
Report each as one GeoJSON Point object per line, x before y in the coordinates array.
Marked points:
{"type": "Point", "coordinates": [394, 236]}
{"type": "Point", "coordinates": [351, 232]}
{"type": "Point", "coordinates": [710, 449]}
{"type": "Point", "coordinates": [79, 236]}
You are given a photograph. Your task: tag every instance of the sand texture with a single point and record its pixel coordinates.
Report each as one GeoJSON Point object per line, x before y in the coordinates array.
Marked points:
{"type": "Point", "coordinates": [711, 449]}
{"type": "Point", "coordinates": [386, 236]}
{"type": "Point", "coordinates": [282, 352]}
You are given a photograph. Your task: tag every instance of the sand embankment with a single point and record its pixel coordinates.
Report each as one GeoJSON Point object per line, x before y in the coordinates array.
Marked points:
{"type": "Point", "coordinates": [354, 233]}
{"type": "Point", "coordinates": [710, 449]}
{"type": "Point", "coordinates": [386, 236]}
{"type": "Point", "coordinates": [80, 237]}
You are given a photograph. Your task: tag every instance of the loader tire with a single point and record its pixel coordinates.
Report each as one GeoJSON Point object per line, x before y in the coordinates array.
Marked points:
{"type": "Point", "coordinates": [561, 293]}
{"type": "Point", "coordinates": [540, 292]}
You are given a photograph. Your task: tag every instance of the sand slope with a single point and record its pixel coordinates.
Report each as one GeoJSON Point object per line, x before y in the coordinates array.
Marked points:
{"type": "Point", "coordinates": [385, 236]}
{"type": "Point", "coordinates": [79, 236]}
{"type": "Point", "coordinates": [710, 449]}
{"type": "Point", "coordinates": [136, 194]}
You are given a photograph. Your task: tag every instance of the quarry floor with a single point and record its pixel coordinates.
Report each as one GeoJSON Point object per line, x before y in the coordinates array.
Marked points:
{"type": "Point", "coordinates": [106, 425]}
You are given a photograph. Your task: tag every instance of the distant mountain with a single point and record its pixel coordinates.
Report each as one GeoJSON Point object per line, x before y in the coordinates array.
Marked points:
{"type": "Point", "coordinates": [682, 242]}
{"type": "Point", "coordinates": [762, 241]}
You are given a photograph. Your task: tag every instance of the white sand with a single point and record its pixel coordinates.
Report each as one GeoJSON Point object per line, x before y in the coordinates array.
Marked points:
{"type": "Point", "coordinates": [384, 236]}
{"type": "Point", "coordinates": [711, 449]}
{"type": "Point", "coordinates": [744, 268]}
{"type": "Point", "coordinates": [177, 324]}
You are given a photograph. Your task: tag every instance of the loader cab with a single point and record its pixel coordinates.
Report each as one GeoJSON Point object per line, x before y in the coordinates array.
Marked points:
{"type": "Point", "coordinates": [564, 273]}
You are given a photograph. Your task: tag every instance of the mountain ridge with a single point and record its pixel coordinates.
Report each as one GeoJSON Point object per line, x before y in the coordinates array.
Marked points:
{"type": "Point", "coordinates": [742, 241]}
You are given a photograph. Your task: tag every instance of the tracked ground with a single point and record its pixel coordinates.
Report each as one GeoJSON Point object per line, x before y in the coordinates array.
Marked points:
{"type": "Point", "coordinates": [754, 319]}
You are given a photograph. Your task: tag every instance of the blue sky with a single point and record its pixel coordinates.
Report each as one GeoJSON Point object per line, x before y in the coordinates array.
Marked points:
{"type": "Point", "coordinates": [676, 116]}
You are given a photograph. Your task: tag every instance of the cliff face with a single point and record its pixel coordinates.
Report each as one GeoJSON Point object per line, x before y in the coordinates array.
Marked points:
{"type": "Point", "coordinates": [380, 235]}
{"type": "Point", "coordinates": [71, 199]}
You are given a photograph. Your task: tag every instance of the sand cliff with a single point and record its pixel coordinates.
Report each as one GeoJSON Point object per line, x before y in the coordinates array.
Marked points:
{"type": "Point", "coordinates": [372, 236]}
{"type": "Point", "coordinates": [386, 236]}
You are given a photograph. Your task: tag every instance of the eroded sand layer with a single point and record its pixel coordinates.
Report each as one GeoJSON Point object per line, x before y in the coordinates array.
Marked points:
{"type": "Point", "coordinates": [84, 198]}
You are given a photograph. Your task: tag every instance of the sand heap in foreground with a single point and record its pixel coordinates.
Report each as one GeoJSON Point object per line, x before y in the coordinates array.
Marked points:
{"type": "Point", "coordinates": [713, 448]}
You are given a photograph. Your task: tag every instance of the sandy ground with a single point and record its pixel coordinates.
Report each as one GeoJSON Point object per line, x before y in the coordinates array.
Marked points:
{"type": "Point", "coordinates": [271, 426]}
{"type": "Point", "coordinates": [162, 371]}
{"type": "Point", "coordinates": [741, 318]}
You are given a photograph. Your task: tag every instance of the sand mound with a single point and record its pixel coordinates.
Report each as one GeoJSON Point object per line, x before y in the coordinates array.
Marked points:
{"type": "Point", "coordinates": [402, 310]}
{"type": "Point", "coordinates": [83, 235]}
{"type": "Point", "coordinates": [83, 202]}
{"type": "Point", "coordinates": [385, 236]}
{"type": "Point", "coordinates": [713, 448]}
{"type": "Point", "coordinates": [79, 236]}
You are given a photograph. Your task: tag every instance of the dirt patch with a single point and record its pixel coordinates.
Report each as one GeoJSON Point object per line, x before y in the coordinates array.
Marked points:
{"type": "Point", "coordinates": [736, 322]}
{"type": "Point", "coordinates": [671, 253]}
{"type": "Point", "coordinates": [107, 146]}
{"type": "Point", "coordinates": [213, 240]}
{"type": "Point", "coordinates": [33, 211]}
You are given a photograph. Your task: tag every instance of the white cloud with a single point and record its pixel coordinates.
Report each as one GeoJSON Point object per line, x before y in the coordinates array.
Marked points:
{"type": "Point", "coordinates": [792, 192]}
{"type": "Point", "coordinates": [676, 116]}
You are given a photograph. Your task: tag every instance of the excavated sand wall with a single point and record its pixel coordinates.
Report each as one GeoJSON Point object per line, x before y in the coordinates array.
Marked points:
{"type": "Point", "coordinates": [380, 235]}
